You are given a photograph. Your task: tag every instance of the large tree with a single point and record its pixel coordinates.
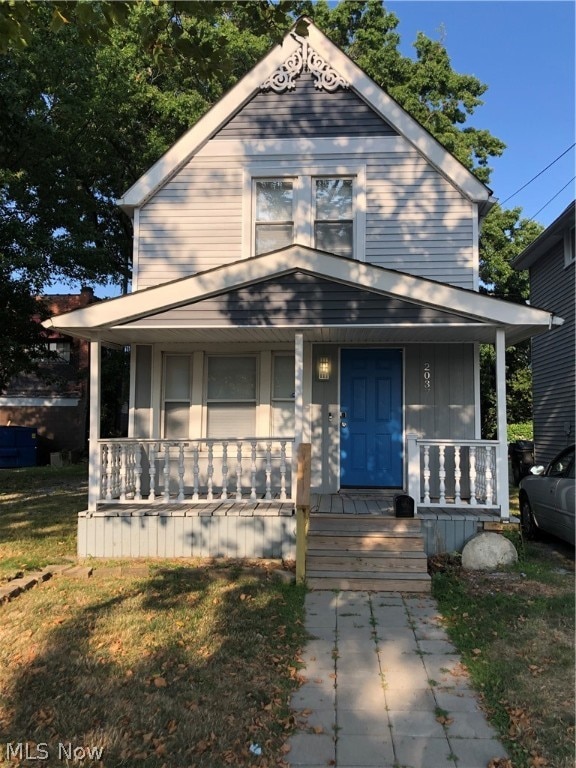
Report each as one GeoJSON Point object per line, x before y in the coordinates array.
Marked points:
{"type": "Point", "coordinates": [91, 94]}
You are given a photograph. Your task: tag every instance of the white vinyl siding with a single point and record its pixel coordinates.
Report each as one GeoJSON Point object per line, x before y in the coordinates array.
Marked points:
{"type": "Point", "coordinates": [415, 220]}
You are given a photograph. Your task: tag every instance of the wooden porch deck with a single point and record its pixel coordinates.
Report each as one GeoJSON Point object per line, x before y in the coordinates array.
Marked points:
{"type": "Point", "coordinates": [382, 503]}
{"type": "Point", "coordinates": [345, 502]}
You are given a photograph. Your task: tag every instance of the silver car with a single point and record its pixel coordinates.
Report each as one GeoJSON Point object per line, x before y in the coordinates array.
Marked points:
{"type": "Point", "coordinates": [547, 498]}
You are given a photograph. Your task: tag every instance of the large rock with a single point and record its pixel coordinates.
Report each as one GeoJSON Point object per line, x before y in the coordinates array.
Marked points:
{"type": "Point", "coordinates": [487, 552]}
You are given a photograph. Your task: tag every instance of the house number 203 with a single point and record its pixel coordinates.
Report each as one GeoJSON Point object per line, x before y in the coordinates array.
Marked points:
{"type": "Point", "coordinates": [427, 376]}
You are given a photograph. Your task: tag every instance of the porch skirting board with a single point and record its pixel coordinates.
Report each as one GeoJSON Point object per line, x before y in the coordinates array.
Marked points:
{"type": "Point", "coordinates": [206, 531]}
{"type": "Point", "coordinates": [448, 530]}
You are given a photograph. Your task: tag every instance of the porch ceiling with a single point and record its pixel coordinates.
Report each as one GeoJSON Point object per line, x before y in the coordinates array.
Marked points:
{"type": "Point", "coordinates": [285, 335]}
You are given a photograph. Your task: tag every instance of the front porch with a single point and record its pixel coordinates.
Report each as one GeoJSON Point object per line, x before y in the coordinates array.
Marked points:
{"type": "Point", "coordinates": [261, 528]}
{"type": "Point", "coordinates": [439, 475]}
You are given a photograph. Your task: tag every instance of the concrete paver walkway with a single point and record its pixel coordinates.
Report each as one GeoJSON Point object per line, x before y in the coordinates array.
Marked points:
{"type": "Point", "coordinates": [385, 688]}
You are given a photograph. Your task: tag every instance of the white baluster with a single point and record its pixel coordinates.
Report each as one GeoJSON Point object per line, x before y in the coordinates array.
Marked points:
{"type": "Point", "coordinates": [268, 471]}
{"type": "Point", "coordinates": [130, 471]}
{"type": "Point", "coordinates": [110, 473]}
{"type": "Point", "coordinates": [209, 495]}
{"type": "Point", "coordinates": [283, 470]}
{"type": "Point", "coordinates": [123, 472]}
{"type": "Point", "coordinates": [473, 500]}
{"type": "Point", "coordinates": [442, 473]}
{"type": "Point", "coordinates": [488, 458]}
{"type": "Point", "coordinates": [253, 471]}
{"type": "Point", "coordinates": [181, 472]}
{"type": "Point", "coordinates": [457, 475]}
{"type": "Point", "coordinates": [104, 471]}
{"type": "Point", "coordinates": [152, 471]}
{"type": "Point", "coordinates": [138, 472]}
{"type": "Point", "coordinates": [117, 476]}
{"type": "Point", "coordinates": [166, 472]}
{"type": "Point", "coordinates": [239, 472]}
{"type": "Point", "coordinates": [224, 494]}
{"type": "Point", "coordinates": [426, 474]}
{"type": "Point", "coordinates": [195, 470]}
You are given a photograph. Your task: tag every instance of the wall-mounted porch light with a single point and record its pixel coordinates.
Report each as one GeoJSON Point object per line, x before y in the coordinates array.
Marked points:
{"type": "Point", "coordinates": [324, 368]}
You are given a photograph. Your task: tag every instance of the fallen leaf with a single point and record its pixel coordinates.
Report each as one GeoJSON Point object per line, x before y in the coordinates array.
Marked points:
{"type": "Point", "coordinates": [444, 720]}
{"type": "Point", "coordinates": [160, 682]}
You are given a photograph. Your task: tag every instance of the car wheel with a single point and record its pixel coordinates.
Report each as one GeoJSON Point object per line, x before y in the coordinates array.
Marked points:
{"type": "Point", "coordinates": [529, 527]}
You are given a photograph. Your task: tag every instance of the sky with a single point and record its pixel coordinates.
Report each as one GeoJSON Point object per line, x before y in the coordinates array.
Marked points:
{"type": "Point", "coordinates": [523, 50]}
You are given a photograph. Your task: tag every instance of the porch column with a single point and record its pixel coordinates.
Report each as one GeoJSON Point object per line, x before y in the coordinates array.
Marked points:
{"type": "Point", "coordinates": [502, 458]}
{"type": "Point", "coordinates": [94, 448]}
{"type": "Point", "coordinates": [298, 403]}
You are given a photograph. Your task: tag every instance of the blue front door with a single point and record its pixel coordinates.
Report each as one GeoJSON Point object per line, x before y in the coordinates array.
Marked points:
{"type": "Point", "coordinates": [371, 418]}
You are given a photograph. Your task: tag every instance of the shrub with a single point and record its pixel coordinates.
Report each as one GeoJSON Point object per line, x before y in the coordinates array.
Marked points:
{"type": "Point", "coordinates": [522, 431]}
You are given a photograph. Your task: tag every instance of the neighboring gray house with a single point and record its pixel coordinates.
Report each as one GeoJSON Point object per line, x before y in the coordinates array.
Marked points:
{"type": "Point", "coordinates": [306, 271]}
{"type": "Point", "coordinates": [550, 259]}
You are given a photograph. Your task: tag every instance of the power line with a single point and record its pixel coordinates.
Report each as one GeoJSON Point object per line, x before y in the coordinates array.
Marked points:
{"type": "Point", "coordinates": [537, 175]}
{"type": "Point", "coordinates": [552, 198]}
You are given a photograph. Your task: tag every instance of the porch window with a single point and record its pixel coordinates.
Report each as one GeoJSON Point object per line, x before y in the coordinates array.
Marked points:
{"type": "Point", "coordinates": [274, 214]}
{"type": "Point", "coordinates": [333, 216]}
{"type": "Point", "coordinates": [283, 383]}
{"type": "Point", "coordinates": [231, 397]}
{"type": "Point", "coordinates": [177, 379]}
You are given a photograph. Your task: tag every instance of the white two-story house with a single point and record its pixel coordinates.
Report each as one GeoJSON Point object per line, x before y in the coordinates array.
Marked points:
{"type": "Point", "coordinates": [306, 270]}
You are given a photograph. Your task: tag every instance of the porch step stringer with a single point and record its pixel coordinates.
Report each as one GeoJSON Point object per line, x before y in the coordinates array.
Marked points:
{"type": "Point", "coordinates": [371, 553]}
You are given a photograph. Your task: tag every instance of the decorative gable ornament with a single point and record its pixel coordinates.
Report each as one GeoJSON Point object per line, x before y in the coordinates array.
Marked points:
{"type": "Point", "coordinates": [304, 59]}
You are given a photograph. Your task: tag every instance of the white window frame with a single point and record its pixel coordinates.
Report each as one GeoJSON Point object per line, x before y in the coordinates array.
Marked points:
{"type": "Point", "coordinates": [304, 200]}
{"type": "Point", "coordinates": [569, 255]}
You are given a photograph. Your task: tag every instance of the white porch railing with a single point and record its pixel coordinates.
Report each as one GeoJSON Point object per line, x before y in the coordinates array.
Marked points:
{"type": "Point", "coordinates": [176, 470]}
{"type": "Point", "coordinates": [453, 473]}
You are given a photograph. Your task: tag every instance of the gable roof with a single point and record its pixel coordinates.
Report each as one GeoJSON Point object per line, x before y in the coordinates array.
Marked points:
{"type": "Point", "coordinates": [278, 65]}
{"type": "Point", "coordinates": [546, 239]}
{"type": "Point", "coordinates": [109, 320]}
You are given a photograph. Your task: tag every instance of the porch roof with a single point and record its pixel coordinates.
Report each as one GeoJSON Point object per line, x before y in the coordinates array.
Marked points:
{"type": "Point", "coordinates": [376, 305]}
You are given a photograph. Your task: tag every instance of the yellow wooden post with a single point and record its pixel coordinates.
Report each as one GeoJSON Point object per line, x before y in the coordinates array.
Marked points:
{"type": "Point", "coordinates": [302, 508]}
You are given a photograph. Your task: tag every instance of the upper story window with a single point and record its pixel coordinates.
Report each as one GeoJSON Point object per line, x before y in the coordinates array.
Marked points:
{"type": "Point", "coordinates": [312, 210]}
{"type": "Point", "coordinates": [334, 217]}
{"type": "Point", "coordinates": [569, 248]}
{"type": "Point", "coordinates": [274, 214]}
{"type": "Point", "coordinates": [61, 348]}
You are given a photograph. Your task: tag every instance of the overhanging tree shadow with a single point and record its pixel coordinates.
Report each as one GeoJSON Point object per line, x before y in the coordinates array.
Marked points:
{"type": "Point", "coordinates": [186, 667]}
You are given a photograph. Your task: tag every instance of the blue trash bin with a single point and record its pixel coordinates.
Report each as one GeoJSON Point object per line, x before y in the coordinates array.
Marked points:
{"type": "Point", "coordinates": [17, 447]}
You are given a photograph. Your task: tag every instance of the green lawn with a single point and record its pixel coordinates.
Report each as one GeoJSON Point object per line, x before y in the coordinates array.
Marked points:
{"type": "Point", "coordinates": [38, 516]}
{"type": "Point", "coordinates": [515, 631]}
{"type": "Point", "coordinates": [188, 665]}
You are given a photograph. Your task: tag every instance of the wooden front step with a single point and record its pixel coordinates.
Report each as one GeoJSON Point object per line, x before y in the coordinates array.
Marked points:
{"type": "Point", "coordinates": [366, 553]}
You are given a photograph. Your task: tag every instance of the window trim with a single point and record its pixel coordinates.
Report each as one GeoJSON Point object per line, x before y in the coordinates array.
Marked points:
{"type": "Point", "coordinates": [303, 176]}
